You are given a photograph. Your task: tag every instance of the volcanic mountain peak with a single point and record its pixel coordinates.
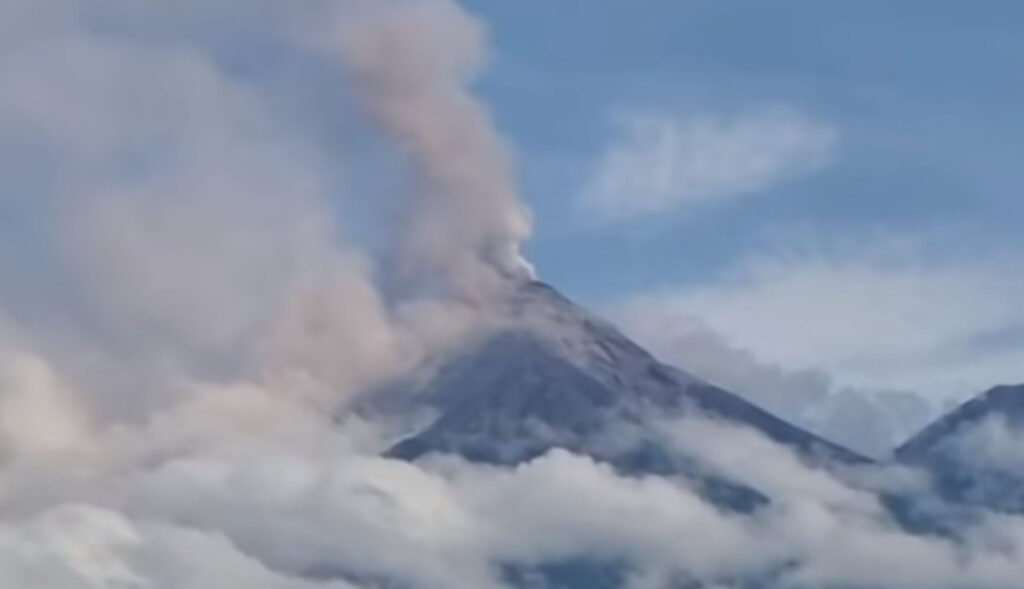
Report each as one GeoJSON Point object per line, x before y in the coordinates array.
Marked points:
{"type": "Point", "coordinates": [547, 373]}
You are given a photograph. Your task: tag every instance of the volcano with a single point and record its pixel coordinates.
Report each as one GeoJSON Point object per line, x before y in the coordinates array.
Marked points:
{"type": "Point", "coordinates": [550, 374]}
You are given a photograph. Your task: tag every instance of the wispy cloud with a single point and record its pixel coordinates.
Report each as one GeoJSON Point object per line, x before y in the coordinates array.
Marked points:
{"type": "Point", "coordinates": [868, 420]}
{"type": "Point", "coordinates": [660, 162]}
{"type": "Point", "coordinates": [868, 319]}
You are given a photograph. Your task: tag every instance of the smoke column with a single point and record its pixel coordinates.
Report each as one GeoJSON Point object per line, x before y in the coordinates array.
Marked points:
{"type": "Point", "coordinates": [412, 62]}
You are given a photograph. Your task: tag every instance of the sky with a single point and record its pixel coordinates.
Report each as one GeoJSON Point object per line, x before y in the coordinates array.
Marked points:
{"type": "Point", "coordinates": [829, 186]}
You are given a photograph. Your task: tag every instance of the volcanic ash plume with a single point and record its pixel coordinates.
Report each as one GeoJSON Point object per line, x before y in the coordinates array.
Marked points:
{"type": "Point", "coordinates": [412, 62]}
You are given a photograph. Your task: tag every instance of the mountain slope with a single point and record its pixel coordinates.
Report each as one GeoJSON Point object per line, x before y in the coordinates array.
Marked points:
{"type": "Point", "coordinates": [553, 375]}
{"type": "Point", "coordinates": [975, 453]}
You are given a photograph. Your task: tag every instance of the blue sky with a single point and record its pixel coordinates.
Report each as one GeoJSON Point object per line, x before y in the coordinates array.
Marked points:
{"type": "Point", "coordinates": [924, 96]}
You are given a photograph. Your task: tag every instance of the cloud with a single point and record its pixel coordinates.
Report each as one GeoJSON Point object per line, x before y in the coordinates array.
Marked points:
{"type": "Point", "coordinates": [179, 222]}
{"type": "Point", "coordinates": [870, 421]}
{"type": "Point", "coordinates": [80, 546]}
{"type": "Point", "coordinates": [39, 413]}
{"type": "Point", "coordinates": [298, 502]}
{"type": "Point", "coordinates": [161, 195]}
{"type": "Point", "coordinates": [851, 328]}
{"type": "Point", "coordinates": [992, 444]}
{"type": "Point", "coordinates": [660, 163]}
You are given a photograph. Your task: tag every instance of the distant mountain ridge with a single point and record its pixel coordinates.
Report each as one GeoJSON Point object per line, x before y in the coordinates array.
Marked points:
{"type": "Point", "coordinates": [956, 450]}
{"type": "Point", "coordinates": [1005, 400]}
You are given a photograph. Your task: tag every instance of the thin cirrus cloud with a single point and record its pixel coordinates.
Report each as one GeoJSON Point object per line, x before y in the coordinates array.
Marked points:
{"type": "Point", "coordinates": [660, 162]}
